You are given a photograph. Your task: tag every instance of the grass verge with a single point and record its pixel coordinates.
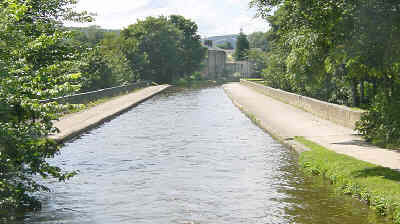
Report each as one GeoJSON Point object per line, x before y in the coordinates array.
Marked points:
{"type": "Point", "coordinates": [257, 80]}
{"type": "Point", "coordinates": [378, 186]}
{"type": "Point", "coordinates": [254, 79]}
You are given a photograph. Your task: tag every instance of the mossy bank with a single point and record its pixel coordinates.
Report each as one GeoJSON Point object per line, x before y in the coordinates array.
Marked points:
{"type": "Point", "coordinates": [376, 185]}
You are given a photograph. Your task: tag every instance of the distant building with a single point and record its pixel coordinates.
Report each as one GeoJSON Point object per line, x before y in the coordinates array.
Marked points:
{"type": "Point", "coordinates": [215, 63]}
{"type": "Point", "coordinates": [217, 66]}
{"type": "Point", "coordinates": [217, 40]}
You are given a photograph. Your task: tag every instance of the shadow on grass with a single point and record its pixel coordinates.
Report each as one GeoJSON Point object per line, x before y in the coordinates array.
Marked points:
{"type": "Point", "coordinates": [384, 172]}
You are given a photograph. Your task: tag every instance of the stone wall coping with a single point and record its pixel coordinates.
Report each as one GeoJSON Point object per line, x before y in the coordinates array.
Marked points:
{"type": "Point", "coordinates": [99, 92]}
{"type": "Point", "coordinates": [339, 114]}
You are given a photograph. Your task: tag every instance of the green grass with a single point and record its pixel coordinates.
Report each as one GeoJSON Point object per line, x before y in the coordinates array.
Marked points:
{"type": "Point", "coordinates": [259, 81]}
{"type": "Point", "coordinates": [254, 79]}
{"type": "Point", "coordinates": [376, 185]}
{"type": "Point", "coordinates": [357, 109]}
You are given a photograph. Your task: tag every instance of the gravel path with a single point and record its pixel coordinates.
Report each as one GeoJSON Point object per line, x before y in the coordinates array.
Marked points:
{"type": "Point", "coordinates": [285, 122]}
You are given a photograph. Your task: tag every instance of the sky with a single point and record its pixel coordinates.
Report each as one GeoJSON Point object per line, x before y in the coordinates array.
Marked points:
{"type": "Point", "coordinates": [214, 17]}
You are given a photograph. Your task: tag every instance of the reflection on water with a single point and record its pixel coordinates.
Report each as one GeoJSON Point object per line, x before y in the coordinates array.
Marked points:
{"type": "Point", "coordinates": [188, 156]}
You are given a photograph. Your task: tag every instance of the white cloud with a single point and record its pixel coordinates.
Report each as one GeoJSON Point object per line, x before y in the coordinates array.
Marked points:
{"type": "Point", "coordinates": [213, 17]}
{"type": "Point", "coordinates": [106, 7]}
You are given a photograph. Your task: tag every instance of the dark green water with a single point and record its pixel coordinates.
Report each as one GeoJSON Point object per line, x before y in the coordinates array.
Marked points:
{"type": "Point", "coordinates": [188, 156]}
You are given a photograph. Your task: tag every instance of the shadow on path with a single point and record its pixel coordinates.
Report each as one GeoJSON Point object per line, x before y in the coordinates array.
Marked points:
{"type": "Point", "coordinates": [356, 143]}
{"type": "Point", "coordinates": [384, 172]}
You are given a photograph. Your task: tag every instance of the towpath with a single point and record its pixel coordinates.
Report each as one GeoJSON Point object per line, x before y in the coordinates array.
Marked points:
{"type": "Point", "coordinates": [74, 124]}
{"type": "Point", "coordinates": [285, 122]}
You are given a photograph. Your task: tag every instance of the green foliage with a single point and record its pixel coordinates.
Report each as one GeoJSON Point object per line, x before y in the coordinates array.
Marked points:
{"type": "Point", "coordinates": [105, 64]}
{"type": "Point", "coordinates": [121, 72]}
{"type": "Point", "coordinates": [226, 46]}
{"type": "Point", "coordinates": [191, 80]}
{"type": "Point", "coordinates": [259, 60]}
{"type": "Point", "coordinates": [378, 186]}
{"type": "Point", "coordinates": [338, 51]}
{"type": "Point", "coordinates": [96, 72]}
{"type": "Point", "coordinates": [259, 40]}
{"type": "Point", "coordinates": [37, 62]}
{"type": "Point", "coordinates": [381, 124]}
{"type": "Point", "coordinates": [163, 49]}
{"type": "Point", "coordinates": [242, 46]}
{"type": "Point", "coordinates": [193, 53]}
{"type": "Point", "coordinates": [89, 36]}
{"type": "Point", "coordinates": [159, 40]}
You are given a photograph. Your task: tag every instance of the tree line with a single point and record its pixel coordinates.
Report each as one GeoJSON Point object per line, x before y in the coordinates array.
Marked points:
{"type": "Point", "coordinates": [345, 52]}
{"type": "Point", "coordinates": [160, 49]}
{"type": "Point", "coordinates": [40, 58]}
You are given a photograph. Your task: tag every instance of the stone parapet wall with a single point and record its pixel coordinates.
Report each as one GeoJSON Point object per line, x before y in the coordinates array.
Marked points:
{"type": "Point", "coordinates": [84, 98]}
{"type": "Point", "coordinates": [243, 68]}
{"type": "Point", "coordinates": [338, 114]}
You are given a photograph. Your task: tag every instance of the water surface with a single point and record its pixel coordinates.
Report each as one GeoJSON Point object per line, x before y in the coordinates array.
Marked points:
{"type": "Point", "coordinates": [188, 156]}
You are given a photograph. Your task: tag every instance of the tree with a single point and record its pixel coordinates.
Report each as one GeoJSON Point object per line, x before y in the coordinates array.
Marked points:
{"type": "Point", "coordinates": [37, 63]}
{"type": "Point", "coordinates": [259, 60]}
{"type": "Point", "coordinates": [341, 51]}
{"type": "Point", "coordinates": [90, 36]}
{"type": "Point", "coordinates": [105, 65]}
{"type": "Point", "coordinates": [242, 45]}
{"type": "Point", "coordinates": [193, 51]}
{"type": "Point", "coordinates": [160, 41]}
{"type": "Point", "coordinates": [96, 71]}
{"type": "Point", "coordinates": [226, 46]}
{"type": "Point", "coordinates": [163, 49]}
{"type": "Point", "coordinates": [112, 49]}
{"type": "Point", "coordinates": [259, 40]}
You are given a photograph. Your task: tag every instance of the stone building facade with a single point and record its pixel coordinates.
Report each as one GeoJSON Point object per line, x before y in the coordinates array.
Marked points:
{"type": "Point", "coordinates": [216, 66]}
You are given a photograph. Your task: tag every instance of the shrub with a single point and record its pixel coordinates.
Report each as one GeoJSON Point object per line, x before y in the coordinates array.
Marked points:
{"type": "Point", "coordinates": [381, 124]}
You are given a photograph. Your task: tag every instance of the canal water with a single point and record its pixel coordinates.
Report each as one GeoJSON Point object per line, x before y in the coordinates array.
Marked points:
{"type": "Point", "coordinates": [188, 156]}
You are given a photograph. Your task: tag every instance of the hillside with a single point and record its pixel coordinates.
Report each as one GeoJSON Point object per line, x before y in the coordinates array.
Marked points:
{"type": "Point", "coordinates": [223, 39]}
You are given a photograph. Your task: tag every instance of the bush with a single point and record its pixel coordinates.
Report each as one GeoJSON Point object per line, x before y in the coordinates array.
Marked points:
{"type": "Point", "coordinates": [196, 76]}
{"type": "Point", "coordinates": [381, 124]}
{"type": "Point", "coordinates": [37, 63]}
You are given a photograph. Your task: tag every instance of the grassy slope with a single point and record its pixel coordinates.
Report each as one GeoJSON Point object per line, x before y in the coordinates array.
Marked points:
{"type": "Point", "coordinates": [378, 186]}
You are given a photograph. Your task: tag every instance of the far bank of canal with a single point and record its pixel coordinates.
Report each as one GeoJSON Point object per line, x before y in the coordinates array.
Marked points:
{"type": "Point", "coordinates": [188, 156]}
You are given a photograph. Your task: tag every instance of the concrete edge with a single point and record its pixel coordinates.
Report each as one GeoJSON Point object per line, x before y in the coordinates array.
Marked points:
{"type": "Point", "coordinates": [70, 136]}
{"type": "Point", "coordinates": [287, 142]}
